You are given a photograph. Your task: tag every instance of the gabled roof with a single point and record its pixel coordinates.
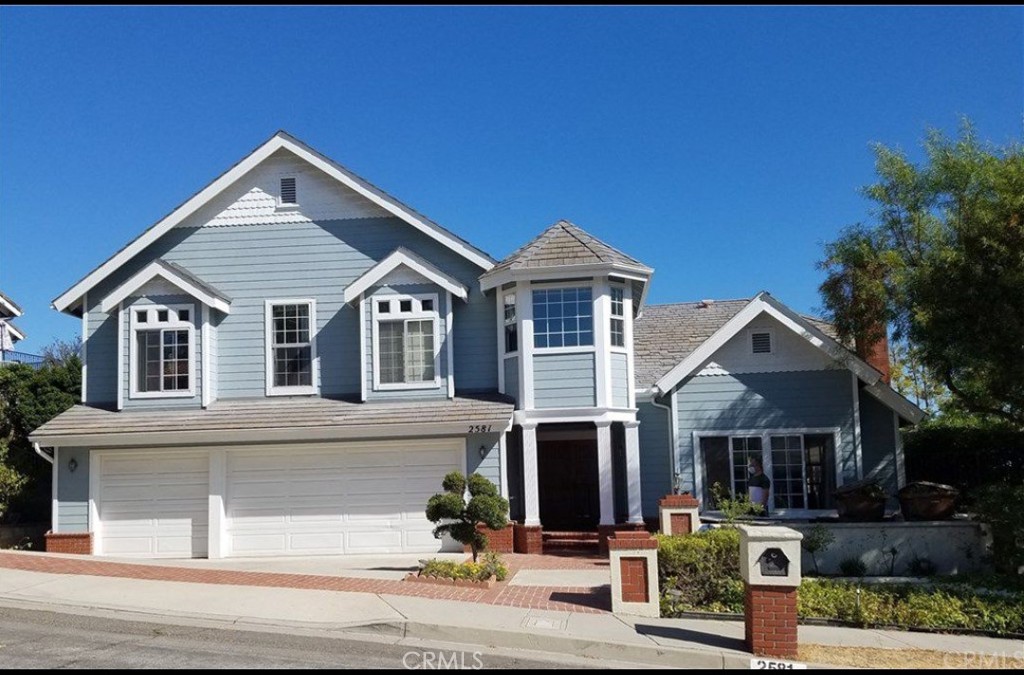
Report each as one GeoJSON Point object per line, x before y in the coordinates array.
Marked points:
{"type": "Point", "coordinates": [175, 275]}
{"type": "Point", "coordinates": [402, 257]}
{"type": "Point", "coordinates": [12, 331]}
{"type": "Point", "coordinates": [281, 140]}
{"type": "Point", "coordinates": [8, 307]}
{"type": "Point", "coordinates": [679, 329]}
{"type": "Point", "coordinates": [562, 244]}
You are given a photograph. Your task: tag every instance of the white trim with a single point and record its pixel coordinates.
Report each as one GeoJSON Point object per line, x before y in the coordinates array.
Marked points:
{"type": "Point", "coordinates": [414, 315]}
{"type": "Point", "coordinates": [503, 463]}
{"type": "Point", "coordinates": [891, 399]}
{"type": "Point", "coordinates": [278, 141]}
{"type": "Point", "coordinates": [449, 339]}
{"type": "Point", "coordinates": [85, 346]}
{"type": "Point", "coordinates": [524, 310]}
{"type": "Point", "coordinates": [499, 307]}
{"type": "Point", "coordinates": [362, 349]}
{"type": "Point", "coordinates": [157, 270]}
{"type": "Point", "coordinates": [634, 479]}
{"type": "Point", "coordinates": [531, 493]}
{"type": "Point", "coordinates": [204, 338]}
{"type": "Point", "coordinates": [595, 287]}
{"type": "Point", "coordinates": [95, 524]}
{"type": "Point", "coordinates": [566, 415]}
{"type": "Point", "coordinates": [121, 356]}
{"type": "Point", "coordinates": [542, 274]}
{"type": "Point", "coordinates": [395, 259]}
{"type": "Point", "coordinates": [765, 435]}
{"type": "Point", "coordinates": [601, 323]}
{"type": "Point", "coordinates": [133, 366]}
{"type": "Point", "coordinates": [901, 469]}
{"type": "Point", "coordinates": [605, 481]}
{"type": "Point", "coordinates": [16, 334]}
{"type": "Point", "coordinates": [217, 539]}
{"type": "Point", "coordinates": [54, 492]}
{"type": "Point", "coordinates": [11, 309]}
{"type": "Point", "coordinates": [764, 303]}
{"type": "Point", "coordinates": [675, 474]}
{"type": "Point", "coordinates": [857, 442]}
{"type": "Point", "coordinates": [543, 351]}
{"type": "Point", "coordinates": [268, 346]}
{"type": "Point", "coordinates": [627, 309]}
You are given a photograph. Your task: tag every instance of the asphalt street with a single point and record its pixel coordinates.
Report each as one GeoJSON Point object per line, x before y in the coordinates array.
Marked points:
{"type": "Point", "coordinates": [40, 639]}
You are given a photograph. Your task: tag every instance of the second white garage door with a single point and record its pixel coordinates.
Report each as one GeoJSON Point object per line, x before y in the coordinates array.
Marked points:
{"type": "Point", "coordinates": [334, 499]}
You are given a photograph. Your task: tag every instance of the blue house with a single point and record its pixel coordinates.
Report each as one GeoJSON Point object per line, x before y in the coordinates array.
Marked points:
{"type": "Point", "coordinates": [290, 362]}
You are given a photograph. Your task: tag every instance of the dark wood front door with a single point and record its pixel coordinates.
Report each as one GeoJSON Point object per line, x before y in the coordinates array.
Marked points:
{"type": "Point", "coordinates": [568, 485]}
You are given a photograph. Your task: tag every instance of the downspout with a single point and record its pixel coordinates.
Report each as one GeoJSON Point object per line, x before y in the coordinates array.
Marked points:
{"type": "Point", "coordinates": [39, 451]}
{"type": "Point", "coordinates": [671, 436]}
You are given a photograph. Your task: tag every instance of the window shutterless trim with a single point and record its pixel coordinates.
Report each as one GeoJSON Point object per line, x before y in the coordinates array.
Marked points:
{"type": "Point", "coordinates": [417, 314]}
{"type": "Point", "coordinates": [134, 326]}
{"type": "Point", "coordinates": [268, 348]}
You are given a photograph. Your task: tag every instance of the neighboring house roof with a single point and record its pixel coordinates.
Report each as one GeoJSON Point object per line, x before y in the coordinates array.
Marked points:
{"type": "Point", "coordinates": [403, 257]}
{"type": "Point", "coordinates": [9, 308]}
{"type": "Point", "coordinates": [269, 420]}
{"type": "Point", "coordinates": [693, 332]}
{"type": "Point", "coordinates": [9, 334]}
{"type": "Point", "coordinates": [70, 299]}
{"type": "Point", "coordinates": [565, 243]}
{"type": "Point", "coordinates": [175, 275]}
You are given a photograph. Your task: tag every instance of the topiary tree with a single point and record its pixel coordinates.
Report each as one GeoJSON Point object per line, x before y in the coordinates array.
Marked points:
{"type": "Point", "coordinates": [458, 518]}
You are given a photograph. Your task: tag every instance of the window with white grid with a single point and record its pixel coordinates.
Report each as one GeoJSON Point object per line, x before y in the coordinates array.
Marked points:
{"type": "Point", "coordinates": [162, 351]}
{"type": "Point", "coordinates": [618, 318]}
{"type": "Point", "coordinates": [291, 343]}
{"type": "Point", "coordinates": [788, 484]}
{"type": "Point", "coordinates": [405, 341]}
{"type": "Point", "coordinates": [563, 317]}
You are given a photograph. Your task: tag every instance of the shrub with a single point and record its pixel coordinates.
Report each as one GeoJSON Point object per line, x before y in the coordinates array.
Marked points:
{"type": "Point", "coordinates": [733, 508]}
{"type": "Point", "coordinates": [1001, 505]}
{"type": "Point", "coordinates": [816, 541]}
{"type": "Point", "coordinates": [490, 566]}
{"type": "Point", "coordinates": [455, 516]}
{"type": "Point", "coordinates": [700, 571]}
{"type": "Point", "coordinates": [853, 567]}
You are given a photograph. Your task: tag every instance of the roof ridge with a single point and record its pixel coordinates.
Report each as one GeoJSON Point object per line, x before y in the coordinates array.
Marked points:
{"type": "Point", "coordinates": [574, 231]}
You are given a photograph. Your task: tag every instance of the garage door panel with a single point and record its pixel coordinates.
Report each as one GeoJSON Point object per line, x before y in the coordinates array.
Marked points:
{"type": "Point", "coordinates": [347, 498]}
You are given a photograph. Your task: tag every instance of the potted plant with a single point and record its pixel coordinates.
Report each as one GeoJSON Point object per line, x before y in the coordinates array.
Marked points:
{"type": "Point", "coordinates": [861, 501]}
{"type": "Point", "coordinates": [922, 500]}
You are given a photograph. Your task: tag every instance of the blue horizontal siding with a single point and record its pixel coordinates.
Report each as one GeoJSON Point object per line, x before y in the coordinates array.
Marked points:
{"type": "Point", "coordinates": [72, 490]}
{"type": "Point", "coordinates": [620, 379]}
{"type": "Point", "coordinates": [655, 456]}
{"type": "Point", "coordinates": [563, 380]}
{"type": "Point", "coordinates": [511, 367]}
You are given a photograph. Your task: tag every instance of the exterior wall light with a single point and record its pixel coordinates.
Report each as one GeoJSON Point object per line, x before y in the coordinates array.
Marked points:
{"type": "Point", "coordinates": [72, 464]}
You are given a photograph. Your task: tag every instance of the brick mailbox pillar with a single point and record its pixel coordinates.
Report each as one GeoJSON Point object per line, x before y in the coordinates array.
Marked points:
{"type": "Point", "coordinates": [770, 567]}
{"type": "Point", "coordinates": [678, 514]}
{"type": "Point", "coordinates": [634, 568]}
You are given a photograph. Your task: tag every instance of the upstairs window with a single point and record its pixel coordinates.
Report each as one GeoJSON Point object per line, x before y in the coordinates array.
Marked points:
{"type": "Point", "coordinates": [618, 318]}
{"type": "Point", "coordinates": [289, 193]}
{"type": "Point", "coordinates": [162, 351]}
{"type": "Point", "coordinates": [291, 342]}
{"type": "Point", "coordinates": [761, 342]}
{"type": "Point", "coordinates": [406, 343]}
{"type": "Point", "coordinates": [511, 327]}
{"type": "Point", "coordinates": [563, 317]}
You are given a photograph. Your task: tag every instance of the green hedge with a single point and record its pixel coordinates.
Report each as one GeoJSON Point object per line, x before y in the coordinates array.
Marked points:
{"type": "Point", "coordinates": [490, 565]}
{"type": "Point", "coordinates": [700, 572]}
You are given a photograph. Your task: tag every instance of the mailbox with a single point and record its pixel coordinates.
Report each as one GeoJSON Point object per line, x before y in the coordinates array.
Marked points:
{"type": "Point", "coordinates": [774, 563]}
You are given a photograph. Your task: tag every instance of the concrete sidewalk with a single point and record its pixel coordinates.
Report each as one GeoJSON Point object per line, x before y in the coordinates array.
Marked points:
{"type": "Point", "coordinates": [659, 642]}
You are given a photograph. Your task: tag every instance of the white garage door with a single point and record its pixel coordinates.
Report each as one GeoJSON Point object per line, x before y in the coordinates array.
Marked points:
{"type": "Point", "coordinates": [340, 498]}
{"type": "Point", "coordinates": [152, 505]}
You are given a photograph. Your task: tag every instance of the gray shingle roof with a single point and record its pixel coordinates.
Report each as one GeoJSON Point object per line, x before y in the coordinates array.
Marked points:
{"type": "Point", "coordinates": [565, 244]}
{"type": "Point", "coordinates": [192, 279]}
{"type": "Point", "coordinates": [262, 416]}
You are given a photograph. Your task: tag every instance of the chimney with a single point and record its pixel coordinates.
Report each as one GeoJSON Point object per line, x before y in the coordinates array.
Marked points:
{"type": "Point", "coordinates": [875, 352]}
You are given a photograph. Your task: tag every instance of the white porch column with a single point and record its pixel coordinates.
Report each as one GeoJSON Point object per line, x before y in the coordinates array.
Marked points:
{"type": "Point", "coordinates": [530, 495]}
{"type": "Point", "coordinates": [636, 514]}
{"type": "Point", "coordinates": [216, 539]}
{"type": "Point", "coordinates": [604, 472]}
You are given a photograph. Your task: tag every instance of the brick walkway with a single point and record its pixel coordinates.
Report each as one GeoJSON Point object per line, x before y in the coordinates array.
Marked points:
{"type": "Point", "coordinates": [566, 599]}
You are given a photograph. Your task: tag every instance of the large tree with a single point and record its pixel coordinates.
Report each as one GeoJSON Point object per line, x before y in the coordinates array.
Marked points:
{"type": "Point", "coordinates": [943, 267]}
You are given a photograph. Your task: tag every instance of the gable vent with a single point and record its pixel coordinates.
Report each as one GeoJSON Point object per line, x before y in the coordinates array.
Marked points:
{"type": "Point", "coordinates": [761, 343]}
{"type": "Point", "coordinates": [288, 195]}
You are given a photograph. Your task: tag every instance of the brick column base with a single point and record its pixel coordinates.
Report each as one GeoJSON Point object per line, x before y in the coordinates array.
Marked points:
{"type": "Point", "coordinates": [605, 532]}
{"type": "Point", "coordinates": [498, 541]}
{"type": "Point", "coordinates": [771, 620]}
{"type": "Point", "coordinates": [69, 542]}
{"type": "Point", "coordinates": [528, 538]}
{"type": "Point", "coordinates": [678, 514]}
{"type": "Point", "coordinates": [634, 571]}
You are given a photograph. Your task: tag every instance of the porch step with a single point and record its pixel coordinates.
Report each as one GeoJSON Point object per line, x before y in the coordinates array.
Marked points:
{"type": "Point", "coordinates": [576, 536]}
{"type": "Point", "coordinates": [571, 542]}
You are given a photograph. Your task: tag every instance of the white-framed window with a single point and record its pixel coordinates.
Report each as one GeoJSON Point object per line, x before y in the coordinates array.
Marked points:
{"type": "Point", "coordinates": [291, 347]}
{"type": "Point", "coordinates": [789, 471]}
{"type": "Point", "coordinates": [511, 326]}
{"type": "Point", "coordinates": [406, 341]}
{"type": "Point", "coordinates": [762, 341]}
{"type": "Point", "coordinates": [563, 317]}
{"type": "Point", "coordinates": [617, 324]}
{"type": "Point", "coordinates": [161, 351]}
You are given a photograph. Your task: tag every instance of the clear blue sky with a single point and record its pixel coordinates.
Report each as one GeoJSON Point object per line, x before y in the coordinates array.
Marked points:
{"type": "Point", "coordinates": [720, 146]}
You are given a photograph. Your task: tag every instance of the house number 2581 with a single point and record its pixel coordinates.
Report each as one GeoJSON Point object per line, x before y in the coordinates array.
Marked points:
{"type": "Point", "coordinates": [479, 428]}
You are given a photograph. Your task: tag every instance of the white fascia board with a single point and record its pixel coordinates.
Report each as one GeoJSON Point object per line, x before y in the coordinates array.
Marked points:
{"type": "Point", "coordinates": [152, 271]}
{"type": "Point", "coordinates": [9, 307]}
{"type": "Point", "coordinates": [393, 262]}
{"type": "Point", "coordinates": [764, 303]}
{"type": "Point", "coordinates": [627, 272]}
{"type": "Point", "coordinates": [70, 297]}
{"type": "Point", "coordinates": [895, 402]}
{"type": "Point", "coordinates": [16, 334]}
{"type": "Point", "coordinates": [282, 434]}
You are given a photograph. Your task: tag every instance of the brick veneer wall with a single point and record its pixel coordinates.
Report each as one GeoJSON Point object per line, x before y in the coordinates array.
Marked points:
{"type": "Point", "coordinates": [528, 538]}
{"type": "Point", "coordinates": [680, 523]}
{"type": "Point", "coordinates": [634, 579]}
{"type": "Point", "coordinates": [771, 621]}
{"type": "Point", "coordinates": [498, 541]}
{"type": "Point", "coordinates": [604, 532]}
{"type": "Point", "coordinates": [74, 542]}
{"type": "Point", "coordinates": [685, 500]}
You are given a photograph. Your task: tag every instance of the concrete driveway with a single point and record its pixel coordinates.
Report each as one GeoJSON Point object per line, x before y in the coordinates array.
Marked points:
{"type": "Point", "coordinates": [393, 567]}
